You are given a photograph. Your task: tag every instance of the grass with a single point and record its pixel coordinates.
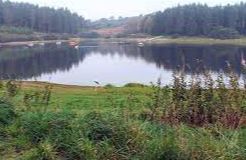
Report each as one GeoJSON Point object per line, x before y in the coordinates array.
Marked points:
{"type": "Point", "coordinates": [87, 98]}
{"type": "Point", "coordinates": [186, 121]}
{"type": "Point", "coordinates": [198, 41]}
{"type": "Point", "coordinates": [162, 40]}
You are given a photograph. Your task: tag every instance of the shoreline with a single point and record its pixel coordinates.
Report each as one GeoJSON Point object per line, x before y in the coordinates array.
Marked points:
{"type": "Point", "coordinates": [35, 84]}
{"type": "Point", "coordinates": [73, 86]}
{"type": "Point", "coordinates": [159, 40]}
{"type": "Point", "coordinates": [164, 40]}
{"type": "Point", "coordinates": [200, 41]}
{"type": "Point", "coordinates": [21, 43]}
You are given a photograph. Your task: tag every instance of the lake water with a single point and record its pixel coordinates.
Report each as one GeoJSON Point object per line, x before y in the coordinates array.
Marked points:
{"type": "Point", "coordinates": [114, 63]}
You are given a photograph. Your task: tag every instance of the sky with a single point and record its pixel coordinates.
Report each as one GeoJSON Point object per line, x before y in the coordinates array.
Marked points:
{"type": "Point", "coordinates": [96, 9]}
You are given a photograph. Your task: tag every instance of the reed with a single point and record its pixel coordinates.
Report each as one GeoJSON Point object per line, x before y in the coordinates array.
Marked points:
{"type": "Point", "coordinates": [201, 101]}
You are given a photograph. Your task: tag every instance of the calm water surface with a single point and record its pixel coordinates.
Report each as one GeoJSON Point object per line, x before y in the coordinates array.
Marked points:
{"type": "Point", "coordinates": [115, 63]}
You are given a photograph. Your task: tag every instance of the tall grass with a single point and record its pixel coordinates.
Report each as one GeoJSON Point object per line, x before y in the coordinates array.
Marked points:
{"type": "Point", "coordinates": [201, 101]}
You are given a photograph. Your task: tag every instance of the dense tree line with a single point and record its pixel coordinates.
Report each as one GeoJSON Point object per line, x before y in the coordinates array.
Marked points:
{"type": "Point", "coordinates": [42, 19]}
{"type": "Point", "coordinates": [195, 19]}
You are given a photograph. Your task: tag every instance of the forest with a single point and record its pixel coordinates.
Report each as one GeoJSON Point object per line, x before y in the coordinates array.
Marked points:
{"type": "Point", "coordinates": [41, 19]}
{"type": "Point", "coordinates": [193, 20]}
{"type": "Point", "coordinates": [224, 22]}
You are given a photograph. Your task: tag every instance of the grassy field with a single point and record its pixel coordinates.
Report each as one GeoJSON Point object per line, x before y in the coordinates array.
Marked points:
{"type": "Point", "coordinates": [89, 98]}
{"type": "Point", "coordinates": [135, 122]}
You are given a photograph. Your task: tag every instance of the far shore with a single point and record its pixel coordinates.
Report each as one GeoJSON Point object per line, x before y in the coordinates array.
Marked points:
{"type": "Point", "coordinates": [183, 40]}
{"type": "Point", "coordinates": [198, 41]}
{"type": "Point", "coordinates": [21, 43]}
{"type": "Point", "coordinates": [149, 40]}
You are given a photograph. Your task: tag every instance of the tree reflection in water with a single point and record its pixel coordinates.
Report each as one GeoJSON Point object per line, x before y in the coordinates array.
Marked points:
{"type": "Point", "coordinates": [24, 62]}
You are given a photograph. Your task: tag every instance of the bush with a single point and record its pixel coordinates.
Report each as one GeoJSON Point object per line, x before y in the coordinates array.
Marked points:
{"type": "Point", "coordinates": [97, 128]}
{"type": "Point", "coordinates": [224, 33]}
{"type": "Point", "coordinates": [112, 135]}
{"type": "Point", "coordinates": [15, 30]}
{"type": "Point", "coordinates": [214, 143]}
{"type": "Point", "coordinates": [161, 144]}
{"type": "Point", "coordinates": [134, 85]}
{"type": "Point", "coordinates": [38, 126]}
{"type": "Point", "coordinates": [89, 35]}
{"type": "Point", "coordinates": [200, 102]}
{"type": "Point", "coordinates": [175, 36]}
{"type": "Point", "coordinates": [121, 35]}
{"type": "Point", "coordinates": [7, 113]}
{"type": "Point", "coordinates": [109, 86]}
{"type": "Point", "coordinates": [6, 37]}
{"type": "Point", "coordinates": [52, 133]}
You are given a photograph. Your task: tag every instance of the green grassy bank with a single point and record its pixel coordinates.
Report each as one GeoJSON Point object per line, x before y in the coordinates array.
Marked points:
{"type": "Point", "coordinates": [198, 41]}
{"type": "Point", "coordinates": [162, 40]}
{"type": "Point", "coordinates": [13, 40]}
{"type": "Point", "coordinates": [135, 122]}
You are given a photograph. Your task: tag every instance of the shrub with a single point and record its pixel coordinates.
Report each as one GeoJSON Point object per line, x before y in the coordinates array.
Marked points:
{"type": "Point", "coordinates": [5, 37]}
{"type": "Point", "coordinates": [109, 86]}
{"type": "Point", "coordinates": [223, 33]}
{"type": "Point", "coordinates": [38, 100]}
{"type": "Point", "coordinates": [161, 143]}
{"type": "Point", "coordinates": [38, 126]}
{"type": "Point", "coordinates": [98, 129]}
{"type": "Point", "coordinates": [214, 143]}
{"type": "Point", "coordinates": [112, 134]}
{"type": "Point", "coordinates": [134, 85]}
{"type": "Point", "coordinates": [7, 113]}
{"type": "Point", "coordinates": [44, 151]}
{"type": "Point", "coordinates": [11, 88]}
{"type": "Point", "coordinates": [175, 36]}
{"type": "Point", "coordinates": [15, 30]}
{"type": "Point", "coordinates": [53, 133]}
{"type": "Point", "coordinates": [200, 104]}
{"type": "Point", "coordinates": [89, 35]}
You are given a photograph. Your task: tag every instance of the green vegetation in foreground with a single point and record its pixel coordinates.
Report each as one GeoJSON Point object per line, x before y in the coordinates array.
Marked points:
{"type": "Point", "coordinates": [46, 121]}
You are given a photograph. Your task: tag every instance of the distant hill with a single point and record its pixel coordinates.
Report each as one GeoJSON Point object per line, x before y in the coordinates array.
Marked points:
{"type": "Point", "coordinates": [108, 23]}
{"type": "Point", "coordinates": [110, 31]}
{"type": "Point", "coordinates": [113, 27]}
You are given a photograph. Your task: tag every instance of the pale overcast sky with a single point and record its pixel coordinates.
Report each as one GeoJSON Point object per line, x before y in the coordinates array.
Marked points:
{"type": "Point", "coordinates": [95, 9]}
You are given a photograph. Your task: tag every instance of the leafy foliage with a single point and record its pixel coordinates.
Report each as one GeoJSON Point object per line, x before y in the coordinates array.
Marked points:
{"type": "Point", "coordinates": [7, 113]}
{"type": "Point", "coordinates": [15, 30]}
{"type": "Point", "coordinates": [223, 33]}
